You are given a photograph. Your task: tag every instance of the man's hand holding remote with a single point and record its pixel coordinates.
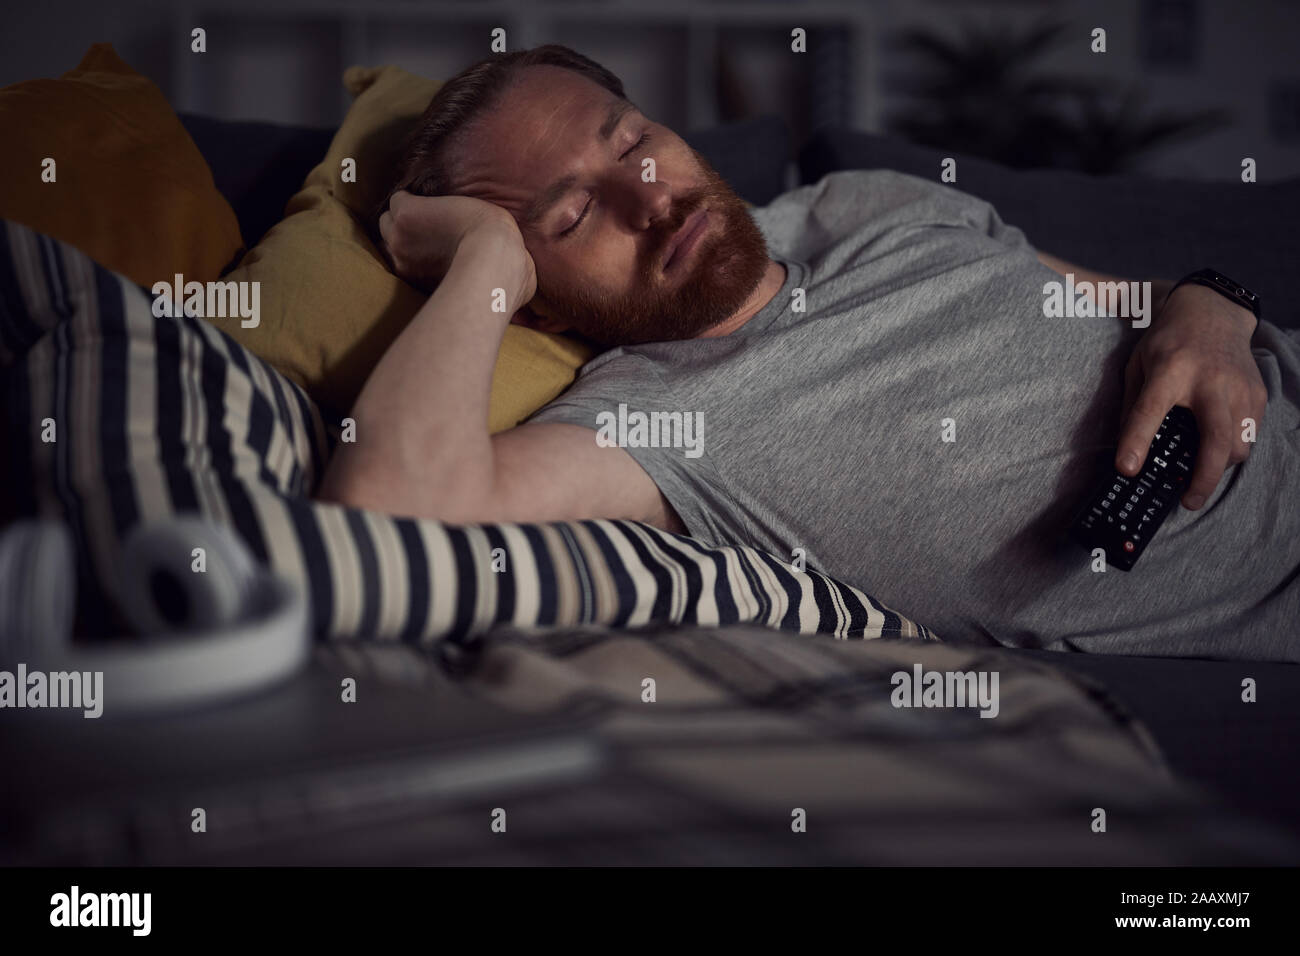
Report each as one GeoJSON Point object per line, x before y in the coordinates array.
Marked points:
{"type": "Point", "coordinates": [1196, 354]}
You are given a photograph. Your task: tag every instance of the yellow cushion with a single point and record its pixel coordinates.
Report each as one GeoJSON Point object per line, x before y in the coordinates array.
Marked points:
{"type": "Point", "coordinates": [130, 188]}
{"type": "Point", "coordinates": [330, 307]}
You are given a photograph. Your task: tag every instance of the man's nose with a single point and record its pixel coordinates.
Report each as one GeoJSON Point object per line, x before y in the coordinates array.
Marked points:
{"type": "Point", "coordinates": [645, 202]}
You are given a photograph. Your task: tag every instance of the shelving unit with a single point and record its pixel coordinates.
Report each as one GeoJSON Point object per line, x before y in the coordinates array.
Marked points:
{"type": "Point", "coordinates": [693, 63]}
{"type": "Point", "coordinates": [687, 64]}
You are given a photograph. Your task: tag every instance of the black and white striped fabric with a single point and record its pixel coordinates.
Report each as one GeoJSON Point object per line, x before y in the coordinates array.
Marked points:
{"type": "Point", "coordinates": [157, 416]}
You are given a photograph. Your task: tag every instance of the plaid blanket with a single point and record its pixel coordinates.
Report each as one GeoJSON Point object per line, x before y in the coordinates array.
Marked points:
{"type": "Point", "coordinates": [590, 745]}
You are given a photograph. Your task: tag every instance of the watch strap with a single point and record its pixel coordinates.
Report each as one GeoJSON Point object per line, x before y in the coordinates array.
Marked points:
{"type": "Point", "coordinates": [1228, 288]}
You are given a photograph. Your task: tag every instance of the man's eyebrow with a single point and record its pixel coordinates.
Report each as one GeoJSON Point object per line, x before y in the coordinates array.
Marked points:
{"type": "Point", "coordinates": [620, 109]}
{"type": "Point", "coordinates": [555, 192]}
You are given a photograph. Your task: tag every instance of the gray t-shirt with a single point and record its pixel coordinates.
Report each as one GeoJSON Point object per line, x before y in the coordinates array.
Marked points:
{"type": "Point", "coordinates": [923, 313]}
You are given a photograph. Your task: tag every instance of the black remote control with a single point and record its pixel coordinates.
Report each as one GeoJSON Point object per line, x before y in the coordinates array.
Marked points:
{"type": "Point", "coordinates": [1122, 515]}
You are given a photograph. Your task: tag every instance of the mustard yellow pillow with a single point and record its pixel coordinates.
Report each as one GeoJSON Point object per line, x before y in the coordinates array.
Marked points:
{"type": "Point", "coordinates": [330, 307]}
{"type": "Point", "coordinates": [126, 184]}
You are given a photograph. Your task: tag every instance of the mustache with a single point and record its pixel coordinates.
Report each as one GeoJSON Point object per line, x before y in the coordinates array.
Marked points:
{"type": "Point", "coordinates": [660, 234]}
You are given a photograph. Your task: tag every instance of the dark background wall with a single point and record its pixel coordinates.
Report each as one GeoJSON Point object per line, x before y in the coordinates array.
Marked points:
{"type": "Point", "coordinates": [691, 64]}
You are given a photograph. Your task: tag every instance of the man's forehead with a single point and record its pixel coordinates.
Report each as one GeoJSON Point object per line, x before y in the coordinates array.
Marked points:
{"type": "Point", "coordinates": [536, 133]}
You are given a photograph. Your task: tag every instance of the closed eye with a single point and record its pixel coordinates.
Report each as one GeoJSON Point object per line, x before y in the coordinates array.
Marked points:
{"type": "Point", "coordinates": [577, 222]}
{"type": "Point", "coordinates": [645, 138]}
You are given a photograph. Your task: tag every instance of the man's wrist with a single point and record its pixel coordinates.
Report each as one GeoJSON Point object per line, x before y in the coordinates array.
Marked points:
{"type": "Point", "coordinates": [500, 249]}
{"type": "Point", "coordinates": [1226, 288]}
{"type": "Point", "coordinates": [1240, 316]}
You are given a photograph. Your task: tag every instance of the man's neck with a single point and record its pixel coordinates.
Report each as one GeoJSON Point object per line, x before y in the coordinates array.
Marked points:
{"type": "Point", "coordinates": [768, 287]}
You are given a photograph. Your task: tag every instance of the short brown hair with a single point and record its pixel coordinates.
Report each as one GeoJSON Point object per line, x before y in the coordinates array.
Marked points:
{"type": "Point", "coordinates": [424, 168]}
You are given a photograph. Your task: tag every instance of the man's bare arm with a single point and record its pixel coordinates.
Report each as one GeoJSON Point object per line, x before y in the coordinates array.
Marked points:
{"type": "Point", "coordinates": [1160, 288]}
{"type": "Point", "coordinates": [422, 446]}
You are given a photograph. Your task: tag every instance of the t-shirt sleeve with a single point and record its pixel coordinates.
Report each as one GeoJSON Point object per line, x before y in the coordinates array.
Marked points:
{"type": "Point", "coordinates": [961, 207]}
{"type": "Point", "coordinates": [844, 200]}
{"type": "Point", "coordinates": [982, 216]}
{"type": "Point", "coordinates": [602, 384]}
{"type": "Point", "coordinates": [687, 482]}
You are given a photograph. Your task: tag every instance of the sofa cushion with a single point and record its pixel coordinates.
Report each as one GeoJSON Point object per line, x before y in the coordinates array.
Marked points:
{"type": "Point", "coordinates": [129, 185]}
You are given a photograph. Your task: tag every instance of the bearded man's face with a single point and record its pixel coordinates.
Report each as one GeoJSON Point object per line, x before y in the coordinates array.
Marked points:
{"type": "Point", "coordinates": [619, 259]}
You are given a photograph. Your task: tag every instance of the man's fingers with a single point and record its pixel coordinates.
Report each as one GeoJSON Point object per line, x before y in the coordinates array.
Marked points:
{"type": "Point", "coordinates": [1249, 410]}
{"type": "Point", "coordinates": [1238, 448]}
{"type": "Point", "coordinates": [1132, 384]}
{"type": "Point", "coordinates": [1140, 427]}
{"type": "Point", "coordinates": [1215, 427]}
{"type": "Point", "coordinates": [387, 232]}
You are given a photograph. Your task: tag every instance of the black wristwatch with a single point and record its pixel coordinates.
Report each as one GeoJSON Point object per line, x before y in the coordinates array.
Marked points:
{"type": "Point", "coordinates": [1228, 288]}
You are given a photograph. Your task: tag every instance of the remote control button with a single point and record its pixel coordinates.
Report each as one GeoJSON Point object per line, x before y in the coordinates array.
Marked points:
{"type": "Point", "coordinates": [1128, 545]}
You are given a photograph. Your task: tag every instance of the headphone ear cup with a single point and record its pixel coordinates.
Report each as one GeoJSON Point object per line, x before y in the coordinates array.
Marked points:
{"type": "Point", "coordinates": [185, 574]}
{"type": "Point", "coordinates": [38, 588]}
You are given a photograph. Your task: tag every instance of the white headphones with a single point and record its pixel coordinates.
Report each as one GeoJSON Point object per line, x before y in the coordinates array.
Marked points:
{"type": "Point", "coordinates": [211, 622]}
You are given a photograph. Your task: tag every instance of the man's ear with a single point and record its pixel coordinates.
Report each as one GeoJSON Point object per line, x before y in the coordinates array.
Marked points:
{"type": "Point", "coordinates": [535, 316]}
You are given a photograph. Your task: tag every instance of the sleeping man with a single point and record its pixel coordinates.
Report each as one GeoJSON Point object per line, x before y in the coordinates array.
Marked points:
{"type": "Point", "coordinates": [871, 375]}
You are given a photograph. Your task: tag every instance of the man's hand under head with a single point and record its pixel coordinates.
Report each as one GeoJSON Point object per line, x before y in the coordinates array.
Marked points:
{"type": "Point", "coordinates": [422, 235]}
